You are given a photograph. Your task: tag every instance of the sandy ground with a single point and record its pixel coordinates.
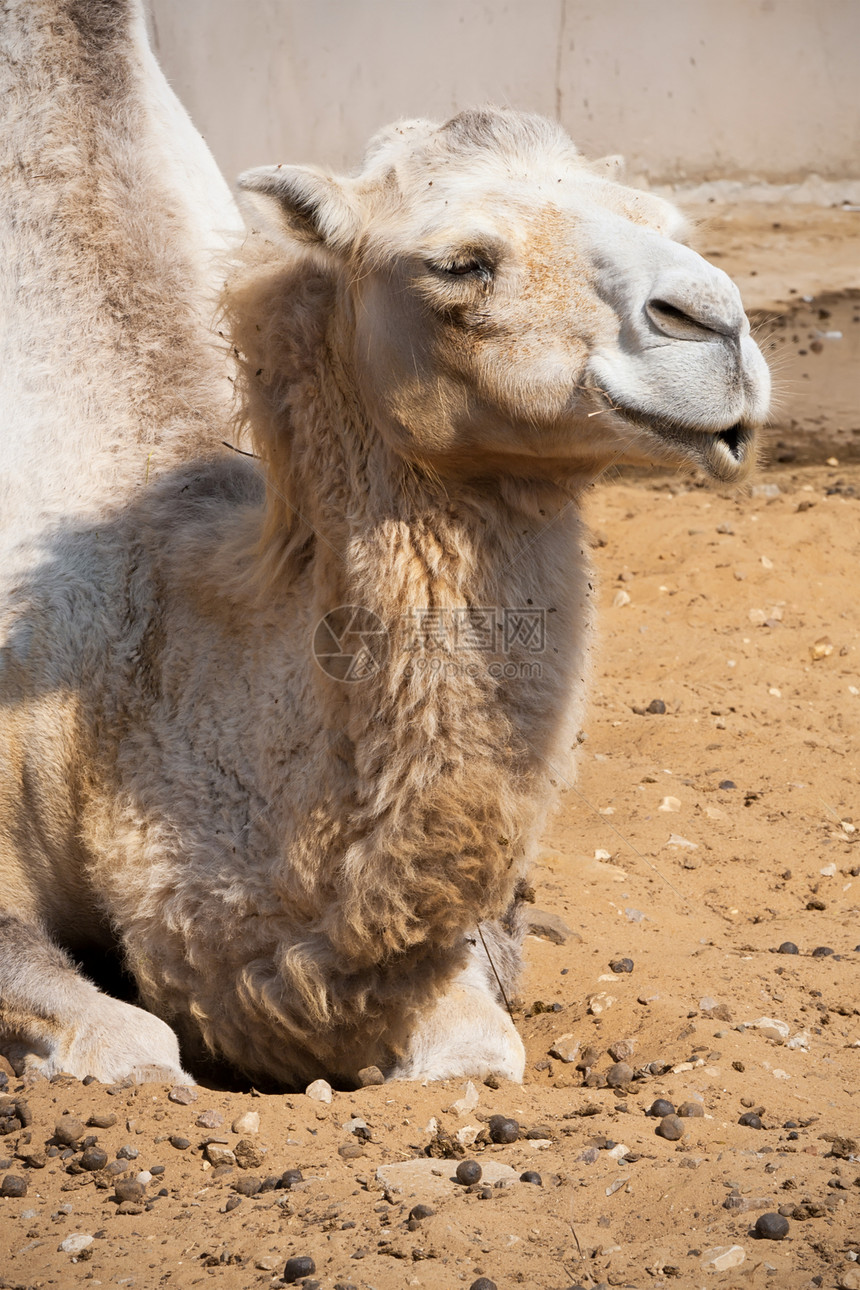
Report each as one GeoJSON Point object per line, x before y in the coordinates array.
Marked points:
{"type": "Point", "coordinates": [699, 838]}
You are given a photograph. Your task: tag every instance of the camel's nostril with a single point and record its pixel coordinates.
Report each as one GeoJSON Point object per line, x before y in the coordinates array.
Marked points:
{"type": "Point", "coordinates": [678, 324]}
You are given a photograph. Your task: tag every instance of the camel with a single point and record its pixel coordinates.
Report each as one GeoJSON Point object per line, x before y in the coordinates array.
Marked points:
{"type": "Point", "coordinates": [281, 721]}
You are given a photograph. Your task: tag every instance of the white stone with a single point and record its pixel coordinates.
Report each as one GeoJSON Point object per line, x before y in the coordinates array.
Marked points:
{"type": "Point", "coordinates": [467, 1102]}
{"type": "Point", "coordinates": [320, 1090]}
{"type": "Point", "coordinates": [467, 1135]}
{"type": "Point", "coordinates": [670, 804]}
{"type": "Point", "coordinates": [620, 599]}
{"type": "Point", "coordinates": [801, 1040]}
{"type": "Point", "coordinates": [722, 1257]}
{"type": "Point", "coordinates": [249, 1122]}
{"type": "Point", "coordinates": [675, 840]}
{"type": "Point", "coordinates": [598, 1003]}
{"type": "Point", "coordinates": [75, 1242]}
{"type": "Point", "coordinates": [565, 1048]}
{"type": "Point", "coordinates": [770, 1023]}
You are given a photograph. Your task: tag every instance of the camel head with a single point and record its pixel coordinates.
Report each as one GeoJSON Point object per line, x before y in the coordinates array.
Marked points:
{"type": "Point", "coordinates": [505, 306]}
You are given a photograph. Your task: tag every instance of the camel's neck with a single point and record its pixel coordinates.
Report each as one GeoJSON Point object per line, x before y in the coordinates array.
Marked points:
{"type": "Point", "coordinates": [453, 625]}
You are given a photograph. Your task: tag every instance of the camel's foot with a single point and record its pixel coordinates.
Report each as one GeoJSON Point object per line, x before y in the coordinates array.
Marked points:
{"type": "Point", "coordinates": [466, 1034]}
{"type": "Point", "coordinates": [117, 1041]}
{"type": "Point", "coordinates": [52, 1020]}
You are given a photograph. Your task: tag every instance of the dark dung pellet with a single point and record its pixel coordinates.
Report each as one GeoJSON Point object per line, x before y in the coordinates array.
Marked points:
{"type": "Point", "coordinates": [531, 1176]}
{"type": "Point", "coordinates": [727, 783]}
{"type": "Point", "coordinates": [788, 947]}
{"type": "Point", "coordinates": [621, 965]}
{"type": "Point", "coordinates": [660, 1107]}
{"type": "Point", "coordinates": [300, 1265]}
{"type": "Point", "coordinates": [503, 1130]}
{"type": "Point", "coordinates": [249, 1185]}
{"type": "Point", "coordinates": [231, 1203]}
{"type": "Point", "coordinates": [468, 1172]}
{"type": "Point", "coordinates": [822, 952]}
{"type": "Point", "coordinates": [290, 1177]}
{"type": "Point", "coordinates": [657, 707]}
{"type": "Point", "coordinates": [691, 1110]}
{"type": "Point", "coordinates": [483, 1283]}
{"type": "Point", "coordinates": [771, 1227]}
{"type": "Point", "coordinates": [181, 1144]}
{"type": "Point", "coordinates": [671, 1127]}
{"type": "Point", "coordinates": [750, 1120]}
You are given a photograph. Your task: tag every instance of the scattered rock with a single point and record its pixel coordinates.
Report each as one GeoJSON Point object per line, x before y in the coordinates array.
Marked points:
{"type": "Point", "coordinates": [69, 1130]}
{"type": "Point", "coordinates": [565, 1048]}
{"type": "Point", "coordinates": [210, 1119]}
{"type": "Point", "coordinates": [297, 1267]}
{"type": "Point", "coordinates": [290, 1177]}
{"type": "Point", "coordinates": [217, 1154]}
{"type": "Point", "coordinates": [849, 1278]}
{"type": "Point", "coordinates": [369, 1076]}
{"type": "Point", "coordinates": [249, 1122]}
{"type": "Point", "coordinates": [549, 926]}
{"type": "Point", "coordinates": [530, 1176]}
{"type": "Point", "coordinates": [723, 1257]}
{"type": "Point", "coordinates": [483, 1283]}
{"type": "Point", "coordinates": [619, 1075]}
{"type": "Point", "coordinates": [746, 1204]}
{"type": "Point", "coordinates": [466, 1104]}
{"type": "Point", "coordinates": [822, 952]}
{"type": "Point", "coordinates": [101, 1121]}
{"type": "Point", "coordinates": [750, 1120]}
{"type": "Point", "coordinates": [622, 1050]}
{"type": "Point", "coordinates": [670, 804]}
{"type": "Point", "coordinates": [691, 1110]}
{"type": "Point", "coordinates": [183, 1095]}
{"type": "Point", "coordinates": [179, 1142]}
{"type": "Point", "coordinates": [248, 1185]}
{"type": "Point", "coordinates": [771, 1227]}
{"type": "Point", "coordinates": [75, 1242]}
{"type": "Point", "coordinates": [671, 1128]}
{"type": "Point", "coordinates": [129, 1189]}
{"type": "Point", "coordinates": [319, 1091]}
{"type": "Point", "coordinates": [418, 1212]}
{"type": "Point", "coordinates": [660, 1108]}
{"type": "Point", "coordinates": [94, 1158]}
{"type": "Point", "coordinates": [598, 1003]}
{"type": "Point", "coordinates": [13, 1185]}
{"type": "Point", "coordinates": [621, 966]}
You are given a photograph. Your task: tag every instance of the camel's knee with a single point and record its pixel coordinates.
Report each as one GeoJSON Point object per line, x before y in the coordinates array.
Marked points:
{"type": "Point", "coordinates": [52, 1019]}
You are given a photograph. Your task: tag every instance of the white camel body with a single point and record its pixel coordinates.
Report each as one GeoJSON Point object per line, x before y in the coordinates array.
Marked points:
{"type": "Point", "coordinates": [309, 856]}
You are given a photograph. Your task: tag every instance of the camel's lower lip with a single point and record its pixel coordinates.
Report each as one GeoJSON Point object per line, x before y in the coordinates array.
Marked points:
{"type": "Point", "coordinates": [724, 454]}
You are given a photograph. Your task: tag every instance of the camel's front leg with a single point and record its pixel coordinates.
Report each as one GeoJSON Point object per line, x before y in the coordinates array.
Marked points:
{"type": "Point", "coordinates": [465, 1033]}
{"type": "Point", "coordinates": [52, 1019]}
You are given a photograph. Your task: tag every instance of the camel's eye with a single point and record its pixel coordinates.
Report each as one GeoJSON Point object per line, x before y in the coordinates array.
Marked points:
{"type": "Point", "coordinates": [471, 266]}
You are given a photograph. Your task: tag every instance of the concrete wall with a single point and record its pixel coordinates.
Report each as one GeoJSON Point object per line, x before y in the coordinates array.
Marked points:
{"type": "Point", "coordinates": [686, 89]}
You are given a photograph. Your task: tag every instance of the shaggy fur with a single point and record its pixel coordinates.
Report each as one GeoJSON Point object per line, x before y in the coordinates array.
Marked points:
{"type": "Point", "coordinates": [434, 358]}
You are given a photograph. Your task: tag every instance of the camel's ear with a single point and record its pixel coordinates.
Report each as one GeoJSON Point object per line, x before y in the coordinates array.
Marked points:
{"type": "Point", "coordinates": [611, 167]}
{"type": "Point", "coordinates": [299, 203]}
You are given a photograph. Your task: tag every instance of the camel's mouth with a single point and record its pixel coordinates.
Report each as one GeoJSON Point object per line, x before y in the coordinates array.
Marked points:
{"type": "Point", "coordinates": [726, 455]}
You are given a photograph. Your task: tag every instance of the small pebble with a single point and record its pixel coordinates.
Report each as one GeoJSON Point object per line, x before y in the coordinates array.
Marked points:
{"type": "Point", "coordinates": [232, 1202]}
{"type": "Point", "coordinates": [621, 965]}
{"type": "Point", "coordinates": [660, 1108]}
{"type": "Point", "coordinates": [691, 1110]}
{"type": "Point", "coordinates": [531, 1176]}
{"type": "Point", "coordinates": [750, 1120]}
{"type": "Point", "coordinates": [183, 1095]}
{"type": "Point", "coordinates": [657, 707]}
{"type": "Point", "coordinates": [468, 1172]}
{"type": "Point", "coordinates": [129, 1189]}
{"type": "Point", "coordinates": [771, 1227]}
{"type": "Point", "coordinates": [248, 1154]}
{"type": "Point", "coordinates": [300, 1265]}
{"type": "Point", "coordinates": [822, 952]}
{"type": "Point", "coordinates": [421, 1211]}
{"type": "Point", "coordinates": [503, 1130]}
{"type": "Point", "coordinates": [127, 1152]}
{"type": "Point", "coordinates": [94, 1158]}
{"type": "Point", "coordinates": [622, 1050]}
{"type": "Point", "coordinates": [619, 1075]}
{"type": "Point", "coordinates": [75, 1242]}
{"type": "Point", "coordinates": [176, 1140]}
{"type": "Point", "coordinates": [68, 1130]}
{"type": "Point", "coordinates": [671, 1128]}
{"type": "Point", "coordinates": [210, 1119]}
{"type": "Point", "coordinates": [101, 1121]}
{"type": "Point", "coordinates": [247, 1123]}
{"type": "Point", "coordinates": [13, 1185]}
{"type": "Point", "coordinates": [369, 1076]}
{"type": "Point", "coordinates": [788, 947]}
{"type": "Point", "coordinates": [319, 1091]}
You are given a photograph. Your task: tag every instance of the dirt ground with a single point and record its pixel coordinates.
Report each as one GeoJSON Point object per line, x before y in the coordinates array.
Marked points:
{"type": "Point", "coordinates": [701, 836]}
